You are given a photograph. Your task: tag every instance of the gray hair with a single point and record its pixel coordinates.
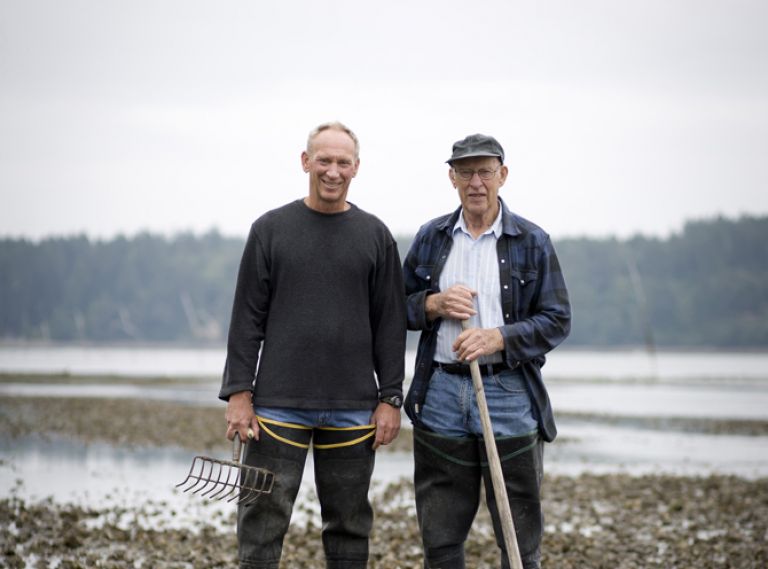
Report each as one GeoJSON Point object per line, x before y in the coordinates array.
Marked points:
{"type": "Point", "coordinates": [335, 125]}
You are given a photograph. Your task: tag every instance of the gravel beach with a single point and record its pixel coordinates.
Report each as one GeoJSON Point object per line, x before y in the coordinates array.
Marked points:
{"type": "Point", "coordinates": [592, 521]}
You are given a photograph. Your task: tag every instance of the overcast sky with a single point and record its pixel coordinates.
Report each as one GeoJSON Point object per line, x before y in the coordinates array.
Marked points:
{"type": "Point", "coordinates": [617, 117]}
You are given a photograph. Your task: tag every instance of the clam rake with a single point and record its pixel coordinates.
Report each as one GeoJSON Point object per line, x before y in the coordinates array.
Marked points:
{"type": "Point", "coordinates": [228, 480]}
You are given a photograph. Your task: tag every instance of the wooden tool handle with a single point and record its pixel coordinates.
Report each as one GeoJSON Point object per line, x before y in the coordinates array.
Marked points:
{"type": "Point", "coordinates": [497, 477]}
{"type": "Point", "coordinates": [236, 448]}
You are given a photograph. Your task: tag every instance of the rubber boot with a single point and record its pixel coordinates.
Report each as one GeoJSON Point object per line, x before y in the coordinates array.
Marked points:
{"type": "Point", "coordinates": [261, 526]}
{"type": "Point", "coordinates": [447, 484]}
{"type": "Point", "coordinates": [342, 478]}
{"type": "Point", "coordinates": [522, 467]}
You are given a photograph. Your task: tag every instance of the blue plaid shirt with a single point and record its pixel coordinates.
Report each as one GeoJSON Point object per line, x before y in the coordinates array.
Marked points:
{"type": "Point", "coordinates": [534, 301]}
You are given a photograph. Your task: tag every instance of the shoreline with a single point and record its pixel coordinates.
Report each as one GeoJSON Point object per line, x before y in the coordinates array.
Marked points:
{"type": "Point", "coordinates": [592, 520]}
{"type": "Point", "coordinates": [196, 427]}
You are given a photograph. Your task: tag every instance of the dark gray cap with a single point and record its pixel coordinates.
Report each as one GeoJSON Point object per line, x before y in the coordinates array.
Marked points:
{"type": "Point", "coordinates": [476, 145]}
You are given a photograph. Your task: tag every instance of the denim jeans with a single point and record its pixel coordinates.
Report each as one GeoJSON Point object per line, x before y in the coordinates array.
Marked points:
{"type": "Point", "coordinates": [317, 417]}
{"type": "Point", "coordinates": [450, 407]}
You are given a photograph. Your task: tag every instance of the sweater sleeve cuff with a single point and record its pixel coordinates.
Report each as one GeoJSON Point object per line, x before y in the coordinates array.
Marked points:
{"type": "Point", "coordinates": [225, 392]}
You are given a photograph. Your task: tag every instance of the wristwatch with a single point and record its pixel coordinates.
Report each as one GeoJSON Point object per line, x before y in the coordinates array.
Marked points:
{"type": "Point", "coordinates": [395, 400]}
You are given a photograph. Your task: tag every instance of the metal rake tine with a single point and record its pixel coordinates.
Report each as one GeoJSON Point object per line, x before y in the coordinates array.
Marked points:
{"type": "Point", "coordinates": [242, 490]}
{"type": "Point", "coordinates": [226, 485]}
{"type": "Point", "coordinates": [234, 486]}
{"type": "Point", "coordinates": [214, 483]}
{"type": "Point", "coordinates": [193, 483]}
{"type": "Point", "coordinates": [196, 478]}
{"type": "Point", "coordinates": [261, 482]}
{"type": "Point", "coordinates": [251, 494]}
{"type": "Point", "coordinates": [205, 479]}
{"type": "Point", "coordinates": [200, 480]}
{"type": "Point", "coordinates": [189, 474]}
{"type": "Point", "coordinates": [246, 495]}
{"type": "Point", "coordinates": [227, 480]}
{"type": "Point", "coordinates": [249, 498]}
{"type": "Point", "coordinates": [268, 480]}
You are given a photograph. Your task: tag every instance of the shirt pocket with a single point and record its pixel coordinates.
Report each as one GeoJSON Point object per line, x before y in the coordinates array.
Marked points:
{"type": "Point", "coordinates": [523, 283]}
{"type": "Point", "coordinates": [424, 274]}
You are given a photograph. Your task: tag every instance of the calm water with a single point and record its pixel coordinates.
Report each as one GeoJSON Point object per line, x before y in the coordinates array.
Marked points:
{"type": "Point", "coordinates": [209, 362]}
{"type": "Point", "coordinates": [627, 383]}
{"type": "Point", "coordinates": [620, 383]}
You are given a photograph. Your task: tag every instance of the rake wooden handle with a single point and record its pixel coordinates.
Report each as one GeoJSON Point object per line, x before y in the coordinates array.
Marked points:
{"type": "Point", "coordinates": [237, 448]}
{"type": "Point", "coordinates": [494, 463]}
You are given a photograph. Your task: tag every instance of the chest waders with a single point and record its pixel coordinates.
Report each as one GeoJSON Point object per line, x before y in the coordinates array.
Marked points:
{"type": "Point", "coordinates": [449, 472]}
{"type": "Point", "coordinates": [344, 461]}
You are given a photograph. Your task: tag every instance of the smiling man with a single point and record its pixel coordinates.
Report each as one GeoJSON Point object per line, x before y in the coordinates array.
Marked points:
{"type": "Point", "coordinates": [484, 264]}
{"type": "Point", "coordinates": [315, 355]}
{"type": "Point", "coordinates": [331, 160]}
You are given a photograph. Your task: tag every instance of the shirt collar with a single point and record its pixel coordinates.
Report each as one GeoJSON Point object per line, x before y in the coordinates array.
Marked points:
{"type": "Point", "coordinates": [495, 227]}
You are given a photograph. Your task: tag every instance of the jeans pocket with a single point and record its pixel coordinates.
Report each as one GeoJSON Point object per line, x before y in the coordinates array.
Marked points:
{"type": "Point", "coordinates": [510, 381]}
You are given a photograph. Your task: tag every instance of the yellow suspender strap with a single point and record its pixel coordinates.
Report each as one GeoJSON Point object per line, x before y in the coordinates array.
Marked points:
{"type": "Point", "coordinates": [352, 442]}
{"type": "Point", "coordinates": [264, 422]}
{"type": "Point", "coordinates": [263, 426]}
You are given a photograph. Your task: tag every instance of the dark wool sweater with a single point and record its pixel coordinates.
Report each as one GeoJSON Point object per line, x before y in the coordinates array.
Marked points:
{"type": "Point", "coordinates": [322, 297]}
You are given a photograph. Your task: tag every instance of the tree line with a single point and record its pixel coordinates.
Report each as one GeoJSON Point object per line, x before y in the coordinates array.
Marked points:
{"type": "Point", "coordinates": [702, 287]}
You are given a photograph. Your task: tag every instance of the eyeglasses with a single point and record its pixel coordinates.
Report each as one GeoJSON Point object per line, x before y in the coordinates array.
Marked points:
{"type": "Point", "coordinates": [467, 173]}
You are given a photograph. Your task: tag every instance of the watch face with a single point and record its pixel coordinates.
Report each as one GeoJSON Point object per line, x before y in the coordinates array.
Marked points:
{"type": "Point", "coordinates": [395, 400]}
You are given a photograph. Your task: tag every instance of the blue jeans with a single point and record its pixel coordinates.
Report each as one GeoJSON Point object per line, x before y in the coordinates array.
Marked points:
{"type": "Point", "coordinates": [317, 417]}
{"type": "Point", "coordinates": [450, 407]}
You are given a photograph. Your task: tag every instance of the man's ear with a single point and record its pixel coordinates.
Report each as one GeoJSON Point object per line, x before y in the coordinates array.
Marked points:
{"type": "Point", "coordinates": [503, 174]}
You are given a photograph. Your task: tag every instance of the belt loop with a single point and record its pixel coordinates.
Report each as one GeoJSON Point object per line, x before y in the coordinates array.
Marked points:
{"type": "Point", "coordinates": [489, 370]}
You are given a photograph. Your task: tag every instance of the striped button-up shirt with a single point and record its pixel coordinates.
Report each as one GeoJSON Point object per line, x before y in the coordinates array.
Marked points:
{"type": "Point", "coordinates": [474, 264]}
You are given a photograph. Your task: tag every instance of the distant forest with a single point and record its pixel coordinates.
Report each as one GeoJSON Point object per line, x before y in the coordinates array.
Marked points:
{"type": "Point", "coordinates": [704, 287]}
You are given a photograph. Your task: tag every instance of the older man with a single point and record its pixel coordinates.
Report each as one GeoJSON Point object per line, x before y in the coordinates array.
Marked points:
{"type": "Point", "coordinates": [319, 321]}
{"type": "Point", "coordinates": [484, 264]}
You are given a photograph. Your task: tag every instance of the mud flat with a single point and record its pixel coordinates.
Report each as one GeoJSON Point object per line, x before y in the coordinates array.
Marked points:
{"type": "Point", "coordinates": [592, 521]}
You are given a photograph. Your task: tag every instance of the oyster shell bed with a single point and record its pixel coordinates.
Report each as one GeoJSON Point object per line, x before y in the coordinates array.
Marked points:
{"type": "Point", "coordinates": [592, 521]}
{"type": "Point", "coordinates": [615, 521]}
